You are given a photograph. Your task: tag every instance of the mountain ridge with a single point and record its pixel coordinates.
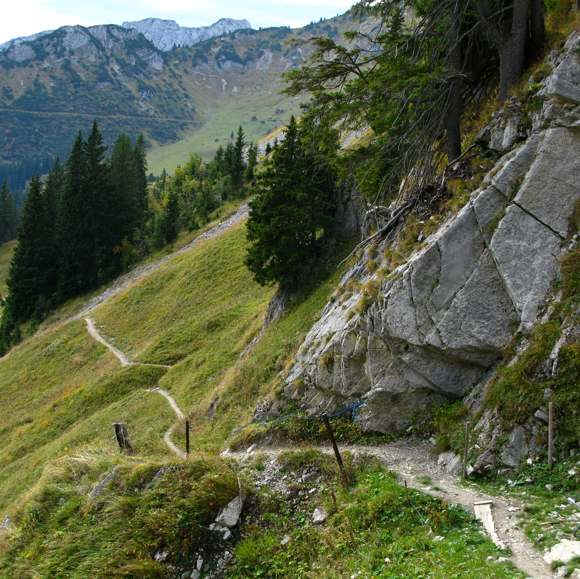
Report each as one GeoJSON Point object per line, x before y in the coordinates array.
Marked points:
{"type": "Point", "coordinates": [168, 34]}
{"type": "Point", "coordinates": [120, 78]}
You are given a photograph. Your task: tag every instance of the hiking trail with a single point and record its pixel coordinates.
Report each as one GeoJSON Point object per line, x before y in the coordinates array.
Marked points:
{"type": "Point", "coordinates": [412, 461]}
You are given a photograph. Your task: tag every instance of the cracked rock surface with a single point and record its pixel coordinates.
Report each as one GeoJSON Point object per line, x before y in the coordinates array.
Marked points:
{"type": "Point", "coordinates": [440, 321]}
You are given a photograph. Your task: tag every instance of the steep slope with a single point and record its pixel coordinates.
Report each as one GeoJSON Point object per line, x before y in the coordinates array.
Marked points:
{"type": "Point", "coordinates": [398, 340]}
{"type": "Point", "coordinates": [75, 388]}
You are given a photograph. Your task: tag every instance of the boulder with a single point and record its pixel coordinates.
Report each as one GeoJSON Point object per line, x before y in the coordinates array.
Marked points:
{"type": "Point", "coordinates": [564, 551]}
{"type": "Point", "coordinates": [230, 515]}
{"type": "Point", "coordinates": [319, 516]}
{"type": "Point", "coordinates": [450, 463]}
{"type": "Point", "coordinates": [439, 323]}
{"type": "Point", "coordinates": [564, 82]}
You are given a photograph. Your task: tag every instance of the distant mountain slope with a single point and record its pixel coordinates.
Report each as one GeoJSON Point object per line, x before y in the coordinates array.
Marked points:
{"type": "Point", "coordinates": [54, 85]}
{"type": "Point", "coordinates": [167, 34]}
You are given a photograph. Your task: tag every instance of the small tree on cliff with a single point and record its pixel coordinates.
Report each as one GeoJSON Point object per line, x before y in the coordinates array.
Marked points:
{"type": "Point", "coordinates": [292, 215]}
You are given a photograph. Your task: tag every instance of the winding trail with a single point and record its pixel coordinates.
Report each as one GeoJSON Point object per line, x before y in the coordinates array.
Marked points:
{"type": "Point", "coordinates": [124, 360]}
{"type": "Point", "coordinates": [412, 461]}
{"type": "Point", "coordinates": [94, 333]}
{"type": "Point", "coordinates": [127, 280]}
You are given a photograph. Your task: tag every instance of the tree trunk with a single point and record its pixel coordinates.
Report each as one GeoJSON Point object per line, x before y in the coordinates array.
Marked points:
{"type": "Point", "coordinates": [537, 27]}
{"type": "Point", "coordinates": [455, 99]}
{"type": "Point", "coordinates": [513, 50]}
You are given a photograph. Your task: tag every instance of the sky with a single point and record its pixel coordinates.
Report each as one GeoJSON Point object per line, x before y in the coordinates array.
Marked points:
{"type": "Point", "coordinates": [24, 17]}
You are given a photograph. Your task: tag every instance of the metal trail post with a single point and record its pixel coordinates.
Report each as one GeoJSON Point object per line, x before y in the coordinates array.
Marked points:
{"type": "Point", "coordinates": [550, 433]}
{"type": "Point", "coordinates": [187, 437]}
{"type": "Point", "coordinates": [465, 450]}
{"type": "Point", "coordinates": [343, 474]}
{"type": "Point", "coordinates": [548, 395]}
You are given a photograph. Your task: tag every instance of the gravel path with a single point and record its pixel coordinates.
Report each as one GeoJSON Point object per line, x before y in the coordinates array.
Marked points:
{"type": "Point", "coordinates": [413, 460]}
{"type": "Point", "coordinates": [124, 360]}
{"type": "Point", "coordinates": [127, 280]}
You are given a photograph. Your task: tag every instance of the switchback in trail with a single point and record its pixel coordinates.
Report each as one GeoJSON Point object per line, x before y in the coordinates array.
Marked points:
{"type": "Point", "coordinates": [124, 360]}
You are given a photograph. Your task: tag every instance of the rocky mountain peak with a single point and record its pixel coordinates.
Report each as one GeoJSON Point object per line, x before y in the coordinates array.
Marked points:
{"type": "Point", "coordinates": [168, 34]}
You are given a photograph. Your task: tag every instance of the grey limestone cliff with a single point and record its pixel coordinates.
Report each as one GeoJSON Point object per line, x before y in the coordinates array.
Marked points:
{"type": "Point", "coordinates": [167, 34]}
{"type": "Point", "coordinates": [439, 323]}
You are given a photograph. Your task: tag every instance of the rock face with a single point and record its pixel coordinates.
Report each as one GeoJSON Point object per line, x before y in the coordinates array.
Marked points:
{"type": "Point", "coordinates": [437, 325]}
{"type": "Point", "coordinates": [167, 34]}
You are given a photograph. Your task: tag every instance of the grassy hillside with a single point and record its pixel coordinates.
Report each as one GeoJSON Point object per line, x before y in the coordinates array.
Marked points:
{"type": "Point", "coordinates": [197, 314]}
{"type": "Point", "coordinates": [257, 111]}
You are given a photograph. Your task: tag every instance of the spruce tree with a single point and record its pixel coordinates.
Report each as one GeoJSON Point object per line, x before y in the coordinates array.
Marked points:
{"type": "Point", "coordinates": [252, 162]}
{"type": "Point", "coordinates": [291, 217]}
{"type": "Point", "coordinates": [101, 213]}
{"type": "Point", "coordinates": [169, 221]}
{"type": "Point", "coordinates": [141, 203]}
{"type": "Point", "coordinates": [8, 214]}
{"type": "Point", "coordinates": [238, 165]}
{"type": "Point", "coordinates": [31, 281]}
{"type": "Point", "coordinates": [53, 192]}
{"type": "Point", "coordinates": [125, 198]}
{"type": "Point", "coordinates": [74, 235]}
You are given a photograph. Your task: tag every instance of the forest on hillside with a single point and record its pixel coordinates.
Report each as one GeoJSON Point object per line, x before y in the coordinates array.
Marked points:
{"type": "Point", "coordinates": [96, 215]}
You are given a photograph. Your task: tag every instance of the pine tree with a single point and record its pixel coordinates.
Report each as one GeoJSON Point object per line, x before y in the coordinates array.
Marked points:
{"type": "Point", "coordinates": [75, 244]}
{"type": "Point", "coordinates": [140, 175]}
{"type": "Point", "coordinates": [125, 190]}
{"type": "Point", "coordinates": [101, 212]}
{"type": "Point", "coordinates": [292, 215]}
{"type": "Point", "coordinates": [53, 192]}
{"type": "Point", "coordinates": [8, 214]}
{"type": "Point", "coordinates": [31, 280]}
{"type": "Point", "coordinates": [252, 162]}
{"type": "Point", "coordinates": [238, 165]}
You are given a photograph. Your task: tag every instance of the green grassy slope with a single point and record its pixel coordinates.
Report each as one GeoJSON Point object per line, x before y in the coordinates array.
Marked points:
{"type": "Point", "coordinates": [6, 252]}
{"type": "Point", "coordinates": [258, 111]}
{"type": "Point", "coordinates": [62, 390]}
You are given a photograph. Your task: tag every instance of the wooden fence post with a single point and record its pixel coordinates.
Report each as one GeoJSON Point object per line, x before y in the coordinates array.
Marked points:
{"type": "Point", "coordinates": [122, 437]}
{"type": "Point", "coordinates": [343, 474]}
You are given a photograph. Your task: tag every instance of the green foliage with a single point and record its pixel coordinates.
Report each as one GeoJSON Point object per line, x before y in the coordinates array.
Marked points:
{"type": "Point", "coordinates": [291, 216]}
{"type": "Point", "coordinates": [570, 266]}
{"type": "Point", "coordinates": [448, 427]}
{"type": "Point", "coordinates": [518, 390]}
{"type": "Point", "coordinates": [378, 529]}
{"type": "Point", "coordinates": [8, 214]}
{"type": "Point", "coordinates": [79, 229]}
{"type": "Point", "coordinates": [547, 516]}
{"type": "Point", "coordinates": [147, 508]}
{"type": "Point", "coordinates": [298, 427]}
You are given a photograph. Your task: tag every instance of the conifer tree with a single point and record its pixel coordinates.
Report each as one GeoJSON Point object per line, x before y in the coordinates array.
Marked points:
{"type": "Point", "coordinates": [8, 214]}
{"type": "Point", "coordinates": [170, 219]}
{"type": "Point", "coordinates": [31, 283]}
{"type": "Point", "coordinates": [101, 211]}
{"type": "Point", "coordinates": [238, 165]}
{"type": "Point", "coordinates": [292, 215]}
{"type": "Point", "coordinates": [53, 191]}
{"type": "Point", "coordinates": [252, 162]}
{"type": "Point", "coordinates": [74, 238]}
{"type": "Point", "coordinates": [125, 198]}
{"type": "Point", "coordinates": [140, 175]}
